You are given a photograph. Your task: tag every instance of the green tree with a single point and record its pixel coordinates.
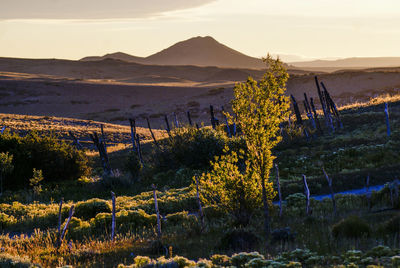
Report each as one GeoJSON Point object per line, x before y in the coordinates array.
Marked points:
{"type": "Point", "coordinates": [238, 183]}
{"type": "Point", "coordinates": [260, 107]}
{"type": "Point", "coordinates": [6, 167]}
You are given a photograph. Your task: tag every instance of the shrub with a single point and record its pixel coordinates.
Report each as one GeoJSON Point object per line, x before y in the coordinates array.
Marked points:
{"type": "Point", "coordinates": [78, 229]}
{"type": "Point", "coordinates": [135, 219]}
{"type": "Point", "coordinates": [6, 221]}
{"type": "Point", "coordinates": [240, 259]}
{"type": "Point", "coordinates": [133, 165]}
{"type": "Point", "coordinates": [234, 191]}
{"type": "Point", "coordinates": [220, 260]}
{"type": "Point", "coordinates": [57, 159]}
{"type": "Point", "coordinates": [193, 148]}
{"type": "Point", "coordinates": [351, 227]}
{"type": "Point", "coordinates": [141, 261]}
{"type": "Point", "coordinates": [90, 208]}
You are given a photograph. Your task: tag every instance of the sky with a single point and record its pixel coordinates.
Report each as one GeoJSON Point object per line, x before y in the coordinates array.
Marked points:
{"type": "Point", "coordinates": [299, 29]}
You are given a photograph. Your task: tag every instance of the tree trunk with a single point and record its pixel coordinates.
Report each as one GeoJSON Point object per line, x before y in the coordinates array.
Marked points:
{"type": "Point", "coordinates": [266, 211]}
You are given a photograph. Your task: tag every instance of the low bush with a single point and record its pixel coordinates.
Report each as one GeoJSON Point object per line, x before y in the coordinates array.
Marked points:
{"type": "Point", "coordinates": [351, 227]}
{"type": "Point", "coordinates": [57, 159]}
{"type": "Point", "coordinates": [90, 208]}
{"type": "Point", "coordinates": [193, 148]}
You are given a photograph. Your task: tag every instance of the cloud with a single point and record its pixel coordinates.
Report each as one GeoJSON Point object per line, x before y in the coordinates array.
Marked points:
{"type": "Point", "coordinates": [92, 9]}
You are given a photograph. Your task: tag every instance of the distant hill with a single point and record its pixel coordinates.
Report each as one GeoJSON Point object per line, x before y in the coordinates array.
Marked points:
{"type": "Point", "coordinates": [361, 62]}
{"type": "Point", "coordinates": [116, 56]}
{"type": "Point", "coordinates": [198, 51]}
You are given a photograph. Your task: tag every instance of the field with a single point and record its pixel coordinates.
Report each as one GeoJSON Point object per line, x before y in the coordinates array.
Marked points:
{"type": "Point", "coordinates": [362, 148]}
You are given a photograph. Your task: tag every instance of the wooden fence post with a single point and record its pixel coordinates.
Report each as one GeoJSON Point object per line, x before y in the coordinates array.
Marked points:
{"type": "Point", "coordinates": [332, 104]}
{"type": "Point", "coordinates": [103, 153]}
{"type": "Point", "coordinates": [213, 123]}
{"type": "Point", "coordinates": [75, 140]}
{"type": "Point", "coordinates": [307, 193]}
{"type": "Point", "coordinates": [299, 121]}
{"type": "Point", "coordinates": [308, 111]}
{"type": "Point", "coordinates": [199, 203]}
{"type": "Point", "coordinates": [387, 119]}
{"type": "Point", "coordinates": [59, 223]}
{"type": "Point", "coordinates": [113, 217]}
{"type": "Point", "coordinates": [176, 120]}
{"type": "Point", "coordinates": [139, 149]}
{"type": "Point", "coordinates": [322, 100]}
{"type": "Point", "coordinates": [157, 211]}
{"type": "Point", "coordinates": [132, 123]}
{"type": "Point", "coordinates": [103, 137]}
{"type": "Point", "coordinates": [152, 134]}
{"type": "Point", "coordinates": [71, 213]}
{"type": "Point", "coordinates": [316, 116]}
{"type": "Point", "coordinates": [278, 184]}
{"type": "Point", "coordinates": [189, 118]}
{"type": "Point", "coordinates": [168, 127]}
{"type": "Point", "coordinates": [331, 190]}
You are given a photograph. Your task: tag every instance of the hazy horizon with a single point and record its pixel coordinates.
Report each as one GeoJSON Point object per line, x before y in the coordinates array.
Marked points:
{"type": "Point", "coordinates": [296, 30]}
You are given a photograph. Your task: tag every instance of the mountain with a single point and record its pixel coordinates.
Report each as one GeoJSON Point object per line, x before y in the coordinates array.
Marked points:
{"type": "Point", "coordinates": [199, 51]}
{"type": "Point", "coordinates": [116, 56]}
{"type": "Point", "coordinates": [358, 62]}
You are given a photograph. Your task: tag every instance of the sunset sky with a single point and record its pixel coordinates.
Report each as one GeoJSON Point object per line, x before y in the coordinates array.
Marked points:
{"type": "Point", "coordinates": [72, 29]}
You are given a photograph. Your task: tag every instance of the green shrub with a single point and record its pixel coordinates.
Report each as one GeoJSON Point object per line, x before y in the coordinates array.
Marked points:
{"type": "Point", "coordinates": [133, 165]}
{"type": "Point", "coordinates": [193, 148]}
{"type": "Point", "coordinates": [380, 251]}
{"type": "Point", "coordinates": [135, 220]}
{"type": "Point", "coordinates": [78, 229]}
{"type": "Point", "coordinates": [141, 261]}
{"type": "Point", "coordinates": [57, 159]}
{"type": "Point", "coordinates": [6, 221]}
{"type": "Point", "coordinates": [240, 259]}
{"type": "Point", "coordinates": [392, 226]}
{"type": "Point", "coordinates": [220, 260]}
{"type": "Point", "coordinates": [90, 208]}
{"type": "Point", "coordinates": [351, 227]}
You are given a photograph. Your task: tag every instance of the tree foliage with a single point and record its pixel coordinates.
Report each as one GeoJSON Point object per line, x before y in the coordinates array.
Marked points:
{"type": "Point", "coordinates": [259, 108]}
{"type": "Point", "coordinates": [228, 187]}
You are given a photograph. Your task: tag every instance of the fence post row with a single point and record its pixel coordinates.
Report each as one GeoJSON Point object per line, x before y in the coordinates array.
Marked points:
{"type": "Point", "coordinates": [152, 134]}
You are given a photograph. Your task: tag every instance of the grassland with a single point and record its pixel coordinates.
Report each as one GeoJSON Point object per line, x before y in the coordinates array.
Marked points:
{"type": "Point", "coordinates": [348, 155]}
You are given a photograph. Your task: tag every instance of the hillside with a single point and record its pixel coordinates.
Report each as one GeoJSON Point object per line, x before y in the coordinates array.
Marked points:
{"type": "Point", "coordinates": [356, 62]}
{"type": "Point", "coordinates": [198, 51]}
